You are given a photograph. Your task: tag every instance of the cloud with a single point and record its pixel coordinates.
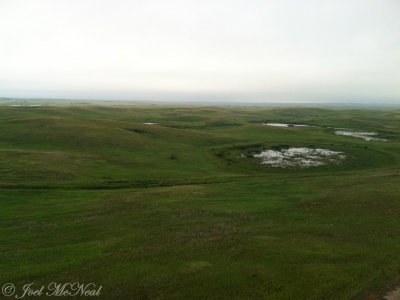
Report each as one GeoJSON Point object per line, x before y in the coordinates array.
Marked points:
{"type": "Point", "coordinates": [230, 50]}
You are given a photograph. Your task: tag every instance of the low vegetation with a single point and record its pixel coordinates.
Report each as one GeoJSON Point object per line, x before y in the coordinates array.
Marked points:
{"type": "Point", "coordinates": [169, 202]}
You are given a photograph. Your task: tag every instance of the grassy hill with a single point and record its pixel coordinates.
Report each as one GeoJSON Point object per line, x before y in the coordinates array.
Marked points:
{"type": "Point", "coordinates": [179, 210]}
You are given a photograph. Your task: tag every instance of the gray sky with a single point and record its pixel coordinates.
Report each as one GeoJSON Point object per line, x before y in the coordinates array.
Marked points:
{"type": "Point", "coordinates": [266, 51]}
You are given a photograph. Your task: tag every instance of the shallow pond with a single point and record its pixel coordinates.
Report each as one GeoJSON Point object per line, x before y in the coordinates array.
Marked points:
{"type": "Point", "coordinates": [299, 157]}
{"type": "Point", "coordinates": [284, 125]}
{"type": "Point", "coordinates": [367, 136]}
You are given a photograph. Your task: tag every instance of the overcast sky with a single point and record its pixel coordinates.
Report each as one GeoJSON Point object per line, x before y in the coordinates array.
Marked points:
{"type": "Point", "coordinates": [255, 51]}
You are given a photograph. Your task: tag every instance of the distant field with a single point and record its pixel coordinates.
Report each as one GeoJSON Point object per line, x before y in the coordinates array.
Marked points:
{"type": "Point", "coordinates": [181, 209]}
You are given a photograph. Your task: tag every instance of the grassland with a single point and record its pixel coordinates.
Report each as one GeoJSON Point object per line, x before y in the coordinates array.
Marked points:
{"type": "Point", "coordinates": [171, 210]}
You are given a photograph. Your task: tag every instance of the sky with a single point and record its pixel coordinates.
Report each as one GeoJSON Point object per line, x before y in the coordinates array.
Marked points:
{"type": "Point", "coordinates": [204, 50]}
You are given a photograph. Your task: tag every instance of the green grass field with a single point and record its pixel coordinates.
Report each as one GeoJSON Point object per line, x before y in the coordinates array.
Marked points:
{"type": "Point", "coordinates": [92, 194]}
